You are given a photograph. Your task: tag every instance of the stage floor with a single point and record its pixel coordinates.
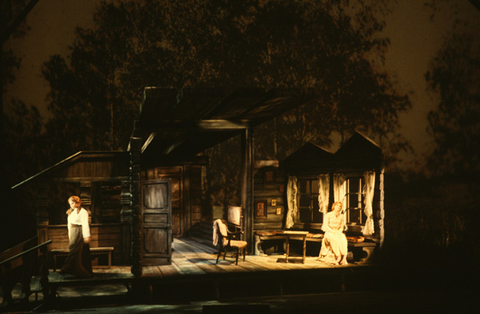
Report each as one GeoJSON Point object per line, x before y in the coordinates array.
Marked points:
{"type": "Point", "coordinates": [194, 271]}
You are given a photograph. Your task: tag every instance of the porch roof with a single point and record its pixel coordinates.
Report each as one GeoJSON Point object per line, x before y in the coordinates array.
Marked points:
{"type": "Point", "coordinates": [177, 123]}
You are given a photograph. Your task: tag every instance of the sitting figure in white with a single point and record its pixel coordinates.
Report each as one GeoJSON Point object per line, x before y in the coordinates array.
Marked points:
{"type": "Point", "coordinates": [334, 245]}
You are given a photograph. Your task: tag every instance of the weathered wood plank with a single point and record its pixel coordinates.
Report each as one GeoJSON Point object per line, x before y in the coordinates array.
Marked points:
{"type": "Point", "coordinates": [168, 271]}
{"type": "Point", "coordinates": [190, 259]}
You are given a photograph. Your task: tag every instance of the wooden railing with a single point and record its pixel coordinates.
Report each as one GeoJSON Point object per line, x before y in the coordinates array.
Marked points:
{"type": "Point", "coordinates": [2, 263]}
{"type": "Point", "coordinates": [19, 267]}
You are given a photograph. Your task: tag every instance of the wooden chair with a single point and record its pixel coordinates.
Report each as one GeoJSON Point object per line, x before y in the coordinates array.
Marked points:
{"type": "Point", "coordinates": [227, 240]}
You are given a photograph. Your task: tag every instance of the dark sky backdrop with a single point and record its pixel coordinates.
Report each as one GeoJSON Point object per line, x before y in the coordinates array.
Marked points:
{"type": "Point", "coordinates": [414, 40]}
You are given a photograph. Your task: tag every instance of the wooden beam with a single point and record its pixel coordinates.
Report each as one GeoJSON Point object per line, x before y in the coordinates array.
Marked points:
{"type": "Point", "coordinates": [200, 125]}
{"type": "Point", "coordinates": [148, 141]}
{"type": "Point", "coordinates": [247, 186]}
{"type": "Point", "coordinates": [220, 124]}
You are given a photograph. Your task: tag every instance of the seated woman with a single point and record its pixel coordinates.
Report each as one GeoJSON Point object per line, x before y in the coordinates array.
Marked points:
{"type": "Point", "coordinates": [334, 244]}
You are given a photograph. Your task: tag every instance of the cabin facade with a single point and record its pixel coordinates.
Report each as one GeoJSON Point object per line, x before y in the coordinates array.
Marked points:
{"type": "Point", "coordinates": [141, 199]}
{"type": "Point", "coordinates": [298, 191]}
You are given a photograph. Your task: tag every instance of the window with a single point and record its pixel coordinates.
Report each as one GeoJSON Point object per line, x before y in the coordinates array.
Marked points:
{"type": "Point", "coordinates": [355, 200]}
{"type": "Point", "coordinates": [308, 201]}
{"type": "Point", "coordinates": [308, 207]}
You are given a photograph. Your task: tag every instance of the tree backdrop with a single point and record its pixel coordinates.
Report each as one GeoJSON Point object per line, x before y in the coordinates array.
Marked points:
{"type": "Point", "coordinates": [336, 48]}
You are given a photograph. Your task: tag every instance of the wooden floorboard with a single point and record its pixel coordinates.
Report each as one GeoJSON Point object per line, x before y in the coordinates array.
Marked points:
{"type": "Point", "coordinates": [194, 270]}
{"type": "Point", "coordinates": [168, 271]}
{"type": "Point", "coordinates": [192, 257]}
{"type": "Point", "coordinates": [190, 252]}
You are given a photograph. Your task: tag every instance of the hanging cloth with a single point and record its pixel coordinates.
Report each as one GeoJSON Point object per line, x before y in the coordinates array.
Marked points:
{"type": "Point", "coordinates": [323, 194]}
{"type": "Point", "coordinates": [292, 191]}
{"type": "Point", "coordinates": [339, 192]}
{"type": "Point", "coordinates": [368, 191]}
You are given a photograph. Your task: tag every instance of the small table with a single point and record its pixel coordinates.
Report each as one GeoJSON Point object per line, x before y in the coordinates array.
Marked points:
{"type": "Point", "coordinates": [295, 235]}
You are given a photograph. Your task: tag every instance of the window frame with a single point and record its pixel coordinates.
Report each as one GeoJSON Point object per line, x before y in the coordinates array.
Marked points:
{"type": "Point", "coordinates": [316, 218]}
{"type": "Point", "coordinates": [360, 199]}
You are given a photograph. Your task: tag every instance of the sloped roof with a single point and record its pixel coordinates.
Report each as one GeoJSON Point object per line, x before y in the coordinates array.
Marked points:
{"type": "Point", "coordinates": [357, 153]}
{"type": "Point", "coordinates": [308, 158]}
{"type": "Point", "coordinates": [185, 122]}
{"type": "Point", "coordinates": [359, 145]}
{"type": "Point", "coordinates": [309, 151]}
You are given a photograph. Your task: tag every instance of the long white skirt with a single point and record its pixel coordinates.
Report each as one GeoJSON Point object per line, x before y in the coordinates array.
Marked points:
{"type": "Point", "coordinates": [334, 248]}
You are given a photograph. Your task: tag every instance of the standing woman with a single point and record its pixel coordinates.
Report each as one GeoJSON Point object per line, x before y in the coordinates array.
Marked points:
{"type": "Point", "coordinates": [334, 244]}
{"type": "Point", "coordinates": [78, 262]}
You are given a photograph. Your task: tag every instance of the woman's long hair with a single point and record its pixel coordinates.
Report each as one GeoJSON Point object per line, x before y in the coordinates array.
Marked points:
{"type": "Point", "coordinates": [78, 204]}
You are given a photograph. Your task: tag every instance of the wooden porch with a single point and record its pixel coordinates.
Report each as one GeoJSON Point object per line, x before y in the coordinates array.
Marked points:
{"type": "Point", "coordinates": [194, 257]}
{"type": "Point", "coordinates": [194, 275]}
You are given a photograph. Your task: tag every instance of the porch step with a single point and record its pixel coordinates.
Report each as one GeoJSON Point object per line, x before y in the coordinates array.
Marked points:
{"type": "Point", "coordinates": [203, 230]}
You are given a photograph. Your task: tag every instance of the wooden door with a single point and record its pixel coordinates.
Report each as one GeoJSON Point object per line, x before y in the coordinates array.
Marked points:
{"type": "Point", "coordinates": [157, 222]}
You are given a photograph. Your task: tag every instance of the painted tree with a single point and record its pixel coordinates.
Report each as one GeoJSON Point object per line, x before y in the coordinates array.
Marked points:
{"type": "Point", "coordinates": [333, 47]}
{"type": "Point", "coordinates": [438, 212]}
{"type": "Point", "coordinates": [455, 125]}
{"type": "Point", "coordinates": [320, 45]}
{"type": "Point", "coordinates": [17, 162]}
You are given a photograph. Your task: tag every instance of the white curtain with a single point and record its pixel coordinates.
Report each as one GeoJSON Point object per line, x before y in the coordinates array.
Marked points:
{"type": "Point", "coordinates": [368, 191]}
{"type": "Point", "coordinates": [292, 191]}
{"type": "Point", "coordinates": [323, 193]}
{"type": "Point", "coordinates": [339, 192]}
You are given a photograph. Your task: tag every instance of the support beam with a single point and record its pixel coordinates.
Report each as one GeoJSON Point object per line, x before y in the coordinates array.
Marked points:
{"type": "Point", "coordinates": [200, 125]}
{"type": "Point", "coordinates": [247, 185]}
{"type": "Point", "coordinates": [135, 206]}
{"type": "Point", "coordinates": [148, 141]}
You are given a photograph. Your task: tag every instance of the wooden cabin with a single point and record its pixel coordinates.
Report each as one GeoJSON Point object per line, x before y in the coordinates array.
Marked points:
{"type": "Point", "coordinates": [292, 193]}
{"type": "Point", "coordinates": [142, 198]}
{"type": "Point", "coordinates": [172, 130]}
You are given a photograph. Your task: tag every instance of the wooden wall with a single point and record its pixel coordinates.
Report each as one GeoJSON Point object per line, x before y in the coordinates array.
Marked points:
{"type": "Point", "coordinates": [269, 185]}
{"type": "Point", "coordinates": [84, 174]}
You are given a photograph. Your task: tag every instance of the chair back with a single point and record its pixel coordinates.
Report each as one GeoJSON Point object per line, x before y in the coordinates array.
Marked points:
{"type": "Point", "coordinates": [234, 215]}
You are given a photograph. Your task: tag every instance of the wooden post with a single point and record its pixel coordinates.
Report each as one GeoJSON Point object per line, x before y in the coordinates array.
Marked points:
{"type": "Point", "coordinates": [247, 185]}
{"type": "Point", "coordinates": [187, 200]}
{"type": "Point", "coordinates": [126, 219]}
{"type": "Point", "coordinates": [135, 206]}
{"type": "Point", "coordinates": [44, 274]}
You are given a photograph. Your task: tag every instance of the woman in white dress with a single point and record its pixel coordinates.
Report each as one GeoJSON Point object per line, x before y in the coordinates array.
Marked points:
{"type": "Point", "coordinates": [334, 244]}
{"type": "Point", "coordinates": [78, 262]}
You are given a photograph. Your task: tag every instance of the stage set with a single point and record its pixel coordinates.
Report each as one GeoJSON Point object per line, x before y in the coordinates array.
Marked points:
{"type": "Point", "coordinates": [151, 232]}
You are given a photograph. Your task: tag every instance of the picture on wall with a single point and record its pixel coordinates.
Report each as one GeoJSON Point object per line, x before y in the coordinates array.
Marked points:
{"type": "Point", "coordinates": [261, 209]}
{"type": "Point", "coordinates": [269, 176]}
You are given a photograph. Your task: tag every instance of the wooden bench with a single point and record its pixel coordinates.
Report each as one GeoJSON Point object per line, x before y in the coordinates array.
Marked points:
{"type": "Point", "coordinates": [360, 251]}
{"type": "Point", "coordinates": [94, 251]}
